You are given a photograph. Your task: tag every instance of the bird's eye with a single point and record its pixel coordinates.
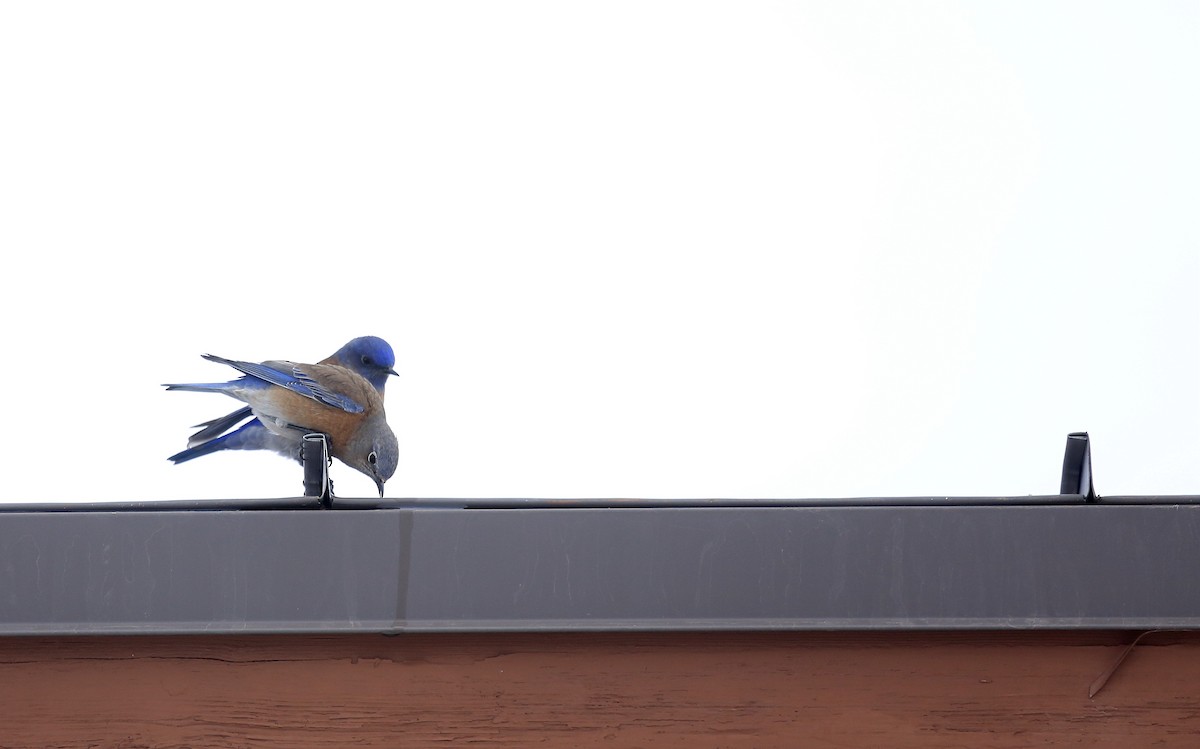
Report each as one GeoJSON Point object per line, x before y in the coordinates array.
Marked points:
{"type": "Point", "coordinates": [366, 359]}
{"type": "Point", "coordinates": [371, 458]}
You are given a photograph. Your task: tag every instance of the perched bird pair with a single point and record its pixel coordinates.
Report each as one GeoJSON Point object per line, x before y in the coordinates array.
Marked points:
{"type": "Point", "coordinates": [340, 396]}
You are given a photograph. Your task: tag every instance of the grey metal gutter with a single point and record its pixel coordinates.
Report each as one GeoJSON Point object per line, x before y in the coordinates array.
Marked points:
{"type": "Point", "coordinates": [566, 503]}
{"type": "Point", "coordinates": [435, 567]}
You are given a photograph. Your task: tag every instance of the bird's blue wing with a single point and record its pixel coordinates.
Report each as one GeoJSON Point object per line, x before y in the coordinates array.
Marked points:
{"type": "Point", "coordinates": [328, 397]}
{"type": "Point", "coordinates": [249, 436]}
{"type": "Point", "coordinates": [295, 380]}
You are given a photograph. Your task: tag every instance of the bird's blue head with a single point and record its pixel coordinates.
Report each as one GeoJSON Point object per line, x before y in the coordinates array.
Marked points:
{"type": "Point", "coordinates": [371, 357]}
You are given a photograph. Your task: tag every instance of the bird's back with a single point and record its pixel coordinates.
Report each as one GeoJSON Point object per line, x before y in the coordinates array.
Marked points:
{"type": "Point", "coordinates": [280, 408]}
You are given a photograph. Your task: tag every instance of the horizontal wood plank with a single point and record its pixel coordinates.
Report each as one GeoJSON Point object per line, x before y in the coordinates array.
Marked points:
{"type": "Point", "coordinates": [817, 689]}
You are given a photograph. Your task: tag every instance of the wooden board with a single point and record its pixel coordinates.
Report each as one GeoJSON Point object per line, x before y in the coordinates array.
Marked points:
{"type": "Point", "coordinates": [1013, 689]}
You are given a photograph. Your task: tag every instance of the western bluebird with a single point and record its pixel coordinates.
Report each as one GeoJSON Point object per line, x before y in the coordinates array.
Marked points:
{"type": "Point", "coordinates": [370, 356]}
{"type": "Point", "coordinates": [289, 398]}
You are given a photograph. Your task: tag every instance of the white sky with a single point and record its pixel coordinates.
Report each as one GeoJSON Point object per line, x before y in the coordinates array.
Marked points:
{"type": "Point", "coordinates": [748, 249]}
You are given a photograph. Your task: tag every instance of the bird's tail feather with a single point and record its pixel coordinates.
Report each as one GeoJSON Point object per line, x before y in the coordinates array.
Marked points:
{"type": "Point", "coordinates": [216, 427]}
{"type": "Point", "coordinates": [212, 446]}
{"type": "Point", "coordinates": [199, 387]}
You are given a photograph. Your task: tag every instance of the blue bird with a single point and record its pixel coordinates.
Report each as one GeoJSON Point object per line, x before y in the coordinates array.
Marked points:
{"type": "Point", "coordinates": [369, 356]}
{"type": "Point", "coordinates": [288, 400]}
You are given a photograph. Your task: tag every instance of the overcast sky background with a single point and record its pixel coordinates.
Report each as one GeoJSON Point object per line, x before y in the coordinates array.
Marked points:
{"type": "Point", "coordinates": [639, 249]}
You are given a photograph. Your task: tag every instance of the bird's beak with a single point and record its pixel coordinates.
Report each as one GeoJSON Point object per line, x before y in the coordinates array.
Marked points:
{"type": "Point", "coordinates": [379, 483]}
{"type": "Point", "coordinates": [393, 372]}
